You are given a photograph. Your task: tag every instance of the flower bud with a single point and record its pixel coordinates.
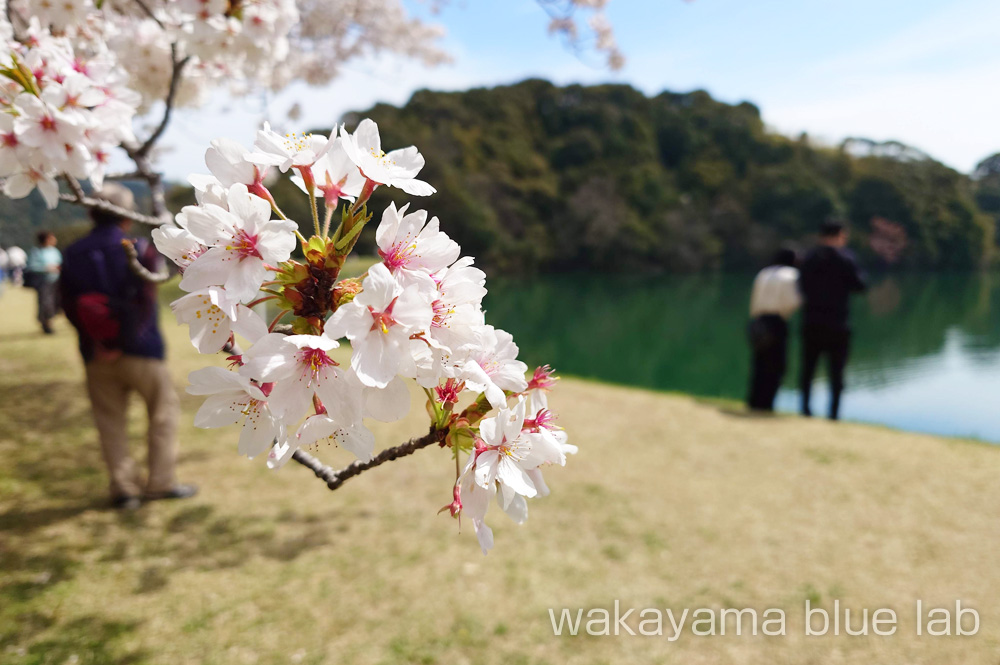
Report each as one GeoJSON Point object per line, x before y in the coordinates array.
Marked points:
{"type": "Point", "coordinates": [344, 292]}
{"type": "Point", "coordinates": [455, 507]}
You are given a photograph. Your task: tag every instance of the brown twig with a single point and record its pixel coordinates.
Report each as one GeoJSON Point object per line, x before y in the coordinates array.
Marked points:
{"type": "Point", "coordinates": [168, 109]}
{"type": "Point", "coordinates": [79, 197]}
{"type": "Point", "coordinates": [334, 478]}
{"type": "Point", "coordinates": [149, 12]}
{"type": "Point", "coordinates": [139, 270]}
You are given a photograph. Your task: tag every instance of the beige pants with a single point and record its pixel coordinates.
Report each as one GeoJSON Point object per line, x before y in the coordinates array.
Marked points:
{"type": "Point", "coordinates": [109, 385]}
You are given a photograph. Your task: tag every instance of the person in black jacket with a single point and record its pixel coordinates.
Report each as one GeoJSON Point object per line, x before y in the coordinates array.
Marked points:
{"type": "Point", "coordinates": [827, 278]}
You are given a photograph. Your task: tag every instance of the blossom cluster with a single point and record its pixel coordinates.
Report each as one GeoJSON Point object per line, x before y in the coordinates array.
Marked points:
{"type": "Point", "coordinates": [564, 20]}
{"type": "Point", "coordinates": [240, 44]}
{"type": "Point", "coordinates": [416, 315]}
{"type": "Point", "coordinates": [233, 43]}
{"type": "Point", "coordinates": [60, 112]}
{"type": "Point", "coordinates": [218, 40]}
{"type": "Point", "coordinates": [79, 70]}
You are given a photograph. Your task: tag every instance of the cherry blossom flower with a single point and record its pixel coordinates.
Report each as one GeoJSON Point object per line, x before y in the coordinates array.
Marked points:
{"type": "Point", "coordinates": [230, 164]}
{"type": "Point", "coordinates": [45, 128]}
{"type": "Point", "coordinates": [288, 151]}
{"type": "Point", "coordinates": [408, 242]}
{"type": "Point", "coordinates": [301, 368]}
{"type": "Point", "coordinates": [75, 95]}
{"type": "Point", "coordinates": [379, 322]}
{"type": "Point", "coordinates": [320, 429]}
{"type": "Point", "coordinates": [501, 460]}
{"type": "Point", "coordinates": [177, 243]}
{"type": "Point", "coordinates": [492, 366]}
{"type": "Point", "coordinates": [232, 399]}
{"type": "Point", "coordinates": [398, 168]}
{"type": "Point", "coordinates": [317, 429]}
{"type": "Point", "coordinates": [505, 454]}
{"type": "Point", "coordinates": [457, 304]}
{"type": "Point", "coordinates": [241, 241]}
{"type": "Point", "coordinates": [12, 151]}
{"type": "Point", "coordinates": [334, 174]}
{"type": "Point", "coordinates": [24, 182]}
{"type": "Point", "coordinates": [213, 317]}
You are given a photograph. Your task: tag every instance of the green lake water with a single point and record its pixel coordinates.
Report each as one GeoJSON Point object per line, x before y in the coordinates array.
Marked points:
{"type": "Point", "coordinates": [925, 355]}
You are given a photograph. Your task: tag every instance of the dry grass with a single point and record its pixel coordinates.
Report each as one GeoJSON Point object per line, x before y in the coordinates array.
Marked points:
{"type": "Point", "coordinates": [670, 503]}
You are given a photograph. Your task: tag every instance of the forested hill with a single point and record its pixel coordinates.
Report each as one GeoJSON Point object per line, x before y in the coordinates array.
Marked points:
{"type": "Point", "coordinates": [537, 177]}
{"type": "Point", "coordinates": [534, 176]}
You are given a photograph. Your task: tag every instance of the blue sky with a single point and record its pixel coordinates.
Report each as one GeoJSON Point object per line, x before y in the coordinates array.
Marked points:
{"type": "Point", "coordinates": [919, 71]}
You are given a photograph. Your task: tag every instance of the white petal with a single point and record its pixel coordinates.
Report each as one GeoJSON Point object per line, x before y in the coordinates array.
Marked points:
{"type": "Point", "coordinates": [517, 509]}
{"type": "Point", "coordinates": [248, 324]}
{"type": "Point", "coordinates": [218, 411]}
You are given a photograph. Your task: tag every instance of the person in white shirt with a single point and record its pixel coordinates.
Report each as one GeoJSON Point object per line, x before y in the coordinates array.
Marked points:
{"type": "Point", "coordinates": [17, 258]}
{"type": "Point", "coordinates": [775, 297]}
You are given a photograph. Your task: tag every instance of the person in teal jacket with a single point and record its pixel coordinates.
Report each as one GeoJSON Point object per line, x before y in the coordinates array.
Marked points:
{"type": "Point", "coordinates": [44, 264]}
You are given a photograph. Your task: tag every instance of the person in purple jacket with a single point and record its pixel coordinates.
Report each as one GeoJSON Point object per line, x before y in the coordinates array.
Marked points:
{"type": "Point", "coordinates": [115, 314]}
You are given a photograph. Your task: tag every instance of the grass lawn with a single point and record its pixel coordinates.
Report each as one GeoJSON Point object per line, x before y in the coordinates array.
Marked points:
{"type": "Point", "coordinates": [671, 503]}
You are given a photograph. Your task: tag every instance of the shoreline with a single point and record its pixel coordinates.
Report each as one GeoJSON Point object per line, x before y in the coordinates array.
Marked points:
{"type": "Point", "coordinates": [738, 408]}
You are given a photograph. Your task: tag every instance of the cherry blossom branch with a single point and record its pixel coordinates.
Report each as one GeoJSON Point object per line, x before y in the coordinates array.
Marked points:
{"type": "Point", "coordinates": [168, 109]}
{"type": "Point", "coordinates": [149, 12]}
{"type": "Point", "coordinates": [335, 478]}
{"type": "Point", "coordinates": [80, 198]}
{"type": "Point", "coordinates": [141, 271]}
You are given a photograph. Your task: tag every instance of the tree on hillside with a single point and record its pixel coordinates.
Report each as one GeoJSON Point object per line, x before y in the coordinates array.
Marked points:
{"type": "Point", "coordinates": [540, 177]}
{"type": "Point", "coordinates": [987, 188]}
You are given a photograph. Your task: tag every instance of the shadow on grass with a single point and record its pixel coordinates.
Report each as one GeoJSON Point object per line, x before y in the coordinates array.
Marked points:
{"type": "Point", "coordinates": [45, 406]}
{"type": "Point", "coordinates": [26, 521]}
{"type": "Point", "coordinates": [35, 638]}
{"type": "Point", "coordinates": [58, 534]}
{"type": "Point", "coordinates": [58, 488]}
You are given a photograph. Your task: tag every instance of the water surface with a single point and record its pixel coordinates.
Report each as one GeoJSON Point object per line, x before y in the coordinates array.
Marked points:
{"type": "Point", "coordinates": [926, 347]}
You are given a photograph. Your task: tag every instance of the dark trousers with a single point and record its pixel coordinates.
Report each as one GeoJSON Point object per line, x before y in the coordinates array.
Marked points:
{"type": "Point", "coordinates": [835, 344]}
{"type": "Point", "coordinates": [769, 341]}
{"type": "Point", "coordinates": [48, 301]}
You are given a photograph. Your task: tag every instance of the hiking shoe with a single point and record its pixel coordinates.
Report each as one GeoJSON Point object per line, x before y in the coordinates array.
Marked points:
{"type": "Point", "coordinates": [175, 492]}
{"type": "Point", "coordinates": [126, 503]}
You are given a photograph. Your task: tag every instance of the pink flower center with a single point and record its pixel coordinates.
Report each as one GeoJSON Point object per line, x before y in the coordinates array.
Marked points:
{"type": "Point", "coordinates": [442, 313]}
{"type": "Point", "coordinates": [544, 419]}
{"type": "Point", "coordinates": [399, 255]}
{"type": "Point", "coordinates": [315, 360]}
{"type": "Point", "coordinates": [512, 449]}
{"type": "Point", "coordinates": [383, 320]}
{"type": "Point", "coordinates": [544, 378]}
{"type": "Point", "coordinates": [448, 392]}
{"type": "Point", "coordinates": [245, 245]}
{"type": "Point", "coordinates": [48, 123]}
{"type": "Point", "coordinates": [490, 365]}
{"type": "Point", "coordinates": [332, 190]}
{"type": "Point", "coordinates": [9, 140]}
